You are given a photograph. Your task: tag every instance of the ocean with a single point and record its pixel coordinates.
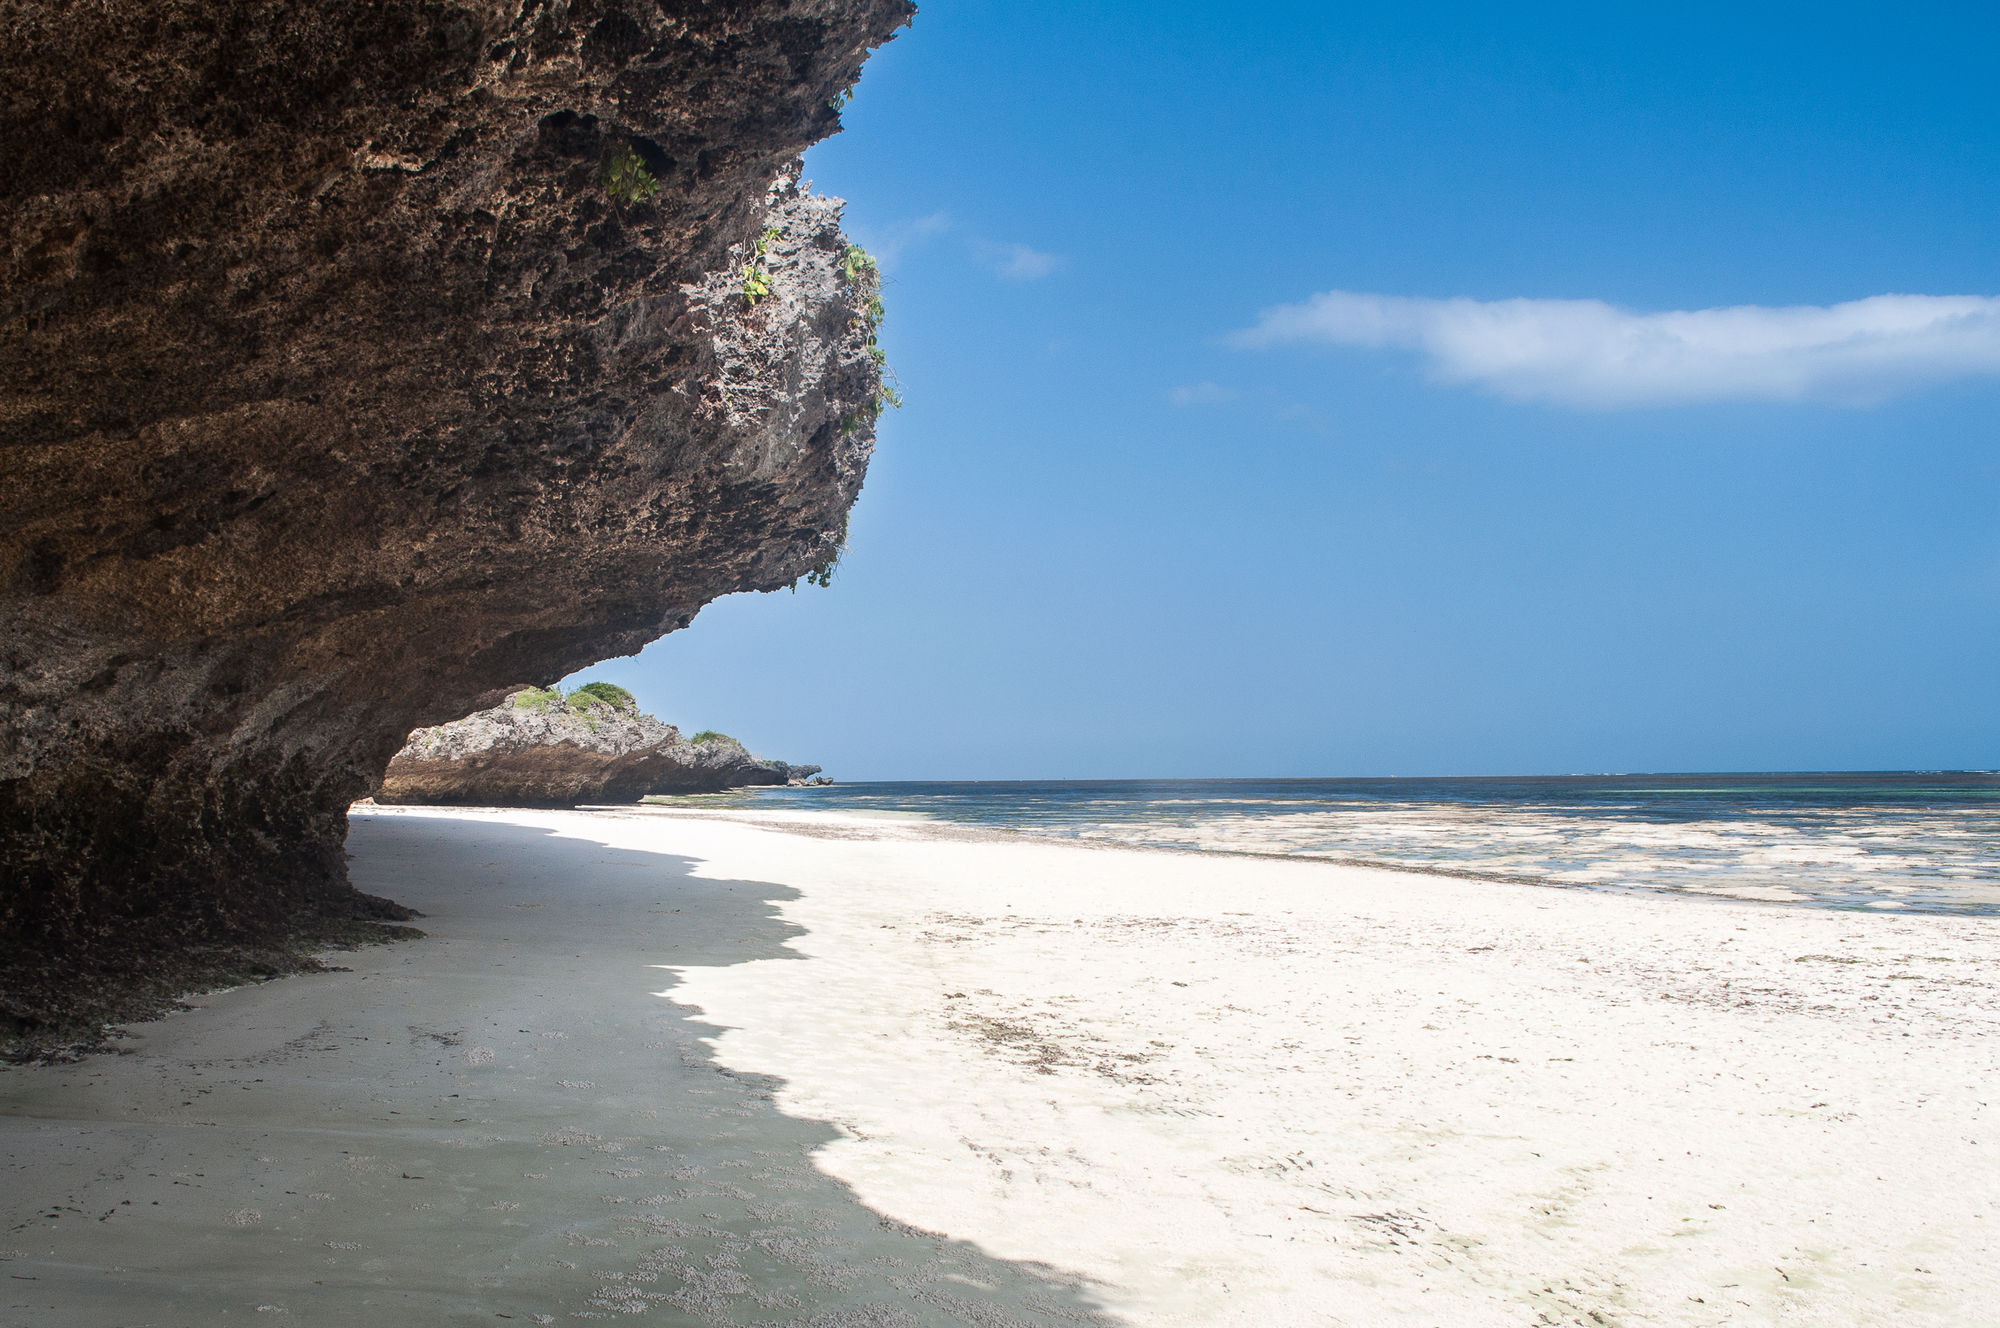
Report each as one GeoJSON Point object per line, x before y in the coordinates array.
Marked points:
{"type": "Point", "coordinates": [1918, 842]}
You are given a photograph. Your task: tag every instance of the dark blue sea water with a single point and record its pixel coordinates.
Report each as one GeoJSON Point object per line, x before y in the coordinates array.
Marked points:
{"type": "Point", "coordinates": [1919, 842]}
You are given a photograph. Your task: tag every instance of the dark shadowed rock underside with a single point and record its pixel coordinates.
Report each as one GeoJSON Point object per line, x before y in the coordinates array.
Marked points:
{"type": "Point", "coordinates": [338, 398]}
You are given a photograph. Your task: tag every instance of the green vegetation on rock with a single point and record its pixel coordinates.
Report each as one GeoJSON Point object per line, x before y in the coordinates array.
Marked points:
{"type": "Point", "coordinates": [757, 278]}
{"type": "Point", "coordinates": [710, 735]}
{"type": "Point", "coordinates": [861, 272]}
{"type": "Point", "coordinates": [821, 572]}
{"type": "Point", "coordinates": [536, 698]}
{"type": "Point", "coordinates": [625, 177]}
{"type": "Point", "coordinates": [859, 268]}
{"type": "Point", "coordinates": [863, 275]}
{"type": "Point", "coordinates": [602, 694]}
{"type": "Point", "coordinates": [856, 263]}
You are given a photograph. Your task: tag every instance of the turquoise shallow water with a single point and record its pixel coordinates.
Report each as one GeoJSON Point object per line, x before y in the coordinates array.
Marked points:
{"type": "Point", "coordinates": [1909, 841]}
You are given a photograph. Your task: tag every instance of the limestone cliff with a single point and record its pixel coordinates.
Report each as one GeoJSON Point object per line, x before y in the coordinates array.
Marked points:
{"type": "Point", "coordinates": [342, 395]}
{"type": "Point", "coordinates": [537, 749]}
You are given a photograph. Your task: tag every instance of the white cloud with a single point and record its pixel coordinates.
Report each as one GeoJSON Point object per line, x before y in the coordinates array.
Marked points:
{"type": "Point", "coordinates": [1201, 394]}
{"type": "Point", "coordinates": [1588, 353]}
{"type": "Point", "coordinates": [1016, 261]}
{"type": "Point", "coordinates": [886, 246]}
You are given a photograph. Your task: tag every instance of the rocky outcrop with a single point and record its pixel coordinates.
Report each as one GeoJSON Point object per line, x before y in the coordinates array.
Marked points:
{"type": "Point", "coordinates": [342, 395]}
{"type": "Point", "coordinates": [537, 749]}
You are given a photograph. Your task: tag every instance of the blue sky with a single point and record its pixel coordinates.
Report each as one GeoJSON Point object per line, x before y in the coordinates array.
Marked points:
{"type": "Point", "coordinates": [1288, 395]}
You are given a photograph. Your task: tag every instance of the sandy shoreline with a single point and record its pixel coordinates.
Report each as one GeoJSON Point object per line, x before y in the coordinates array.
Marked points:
{"type": "Point", "coordinates": [836, 1072]}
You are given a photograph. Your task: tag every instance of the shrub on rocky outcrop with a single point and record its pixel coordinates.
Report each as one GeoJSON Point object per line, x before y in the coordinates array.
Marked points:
{"type": "Point", "coordinates": [602, 694]}
{"type": "Point", "coordinates": [593, 747]}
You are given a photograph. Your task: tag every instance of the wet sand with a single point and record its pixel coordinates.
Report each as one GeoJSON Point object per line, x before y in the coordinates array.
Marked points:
{"type": "Point", "coordinates": [827, 1071]}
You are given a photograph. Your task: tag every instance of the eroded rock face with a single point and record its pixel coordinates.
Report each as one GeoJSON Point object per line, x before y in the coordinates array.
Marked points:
{"type": "Point", "coordinates": [339, 399]}
{"type": "Point", "coordinates": [535, 750]}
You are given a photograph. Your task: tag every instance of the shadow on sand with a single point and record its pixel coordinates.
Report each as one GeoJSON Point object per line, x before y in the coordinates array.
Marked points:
{"type": "Point", "coordinates": [674, 1183]}
{"type": "Point", "coordinates": [506, 1120]}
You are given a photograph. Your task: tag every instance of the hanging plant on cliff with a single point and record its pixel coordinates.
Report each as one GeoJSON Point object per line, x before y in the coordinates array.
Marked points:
{"type": "Point", "coordinates": [625, 178]}
{"type": "Point", "coordinates": [859, 269]}
{"type": "Point", "coordinates": [821, 572]}
{"type": "Point", "coordinates": [756, 277]}
{"type": "Point", "coordinates": [864, 277]}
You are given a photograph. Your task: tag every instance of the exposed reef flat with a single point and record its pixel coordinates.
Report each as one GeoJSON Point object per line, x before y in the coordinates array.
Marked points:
{"type": "Point", "coordinates": [539, 748]}
{"type": "Point", "coordinates": [364, 361]}
{"type": "Point", "coordinates": [798, 1069]}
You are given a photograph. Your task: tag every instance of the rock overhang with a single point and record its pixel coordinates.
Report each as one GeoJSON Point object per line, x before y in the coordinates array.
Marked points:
{"type": "Point", "coordinates": [342, 397]}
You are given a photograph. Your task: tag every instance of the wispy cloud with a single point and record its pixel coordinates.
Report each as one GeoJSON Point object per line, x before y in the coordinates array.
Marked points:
{"type": "Point", "coordinates": [1016, 261]}
{"type": "Point", "coordinates": [1588, 353]}
{"type": "Point", "coordinates": [887, 244]}
{"type": "Point", "coordinates": [1203, 393]}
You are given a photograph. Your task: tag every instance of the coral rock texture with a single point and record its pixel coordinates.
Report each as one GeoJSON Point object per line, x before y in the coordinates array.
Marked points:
{"type": "Point", "coordinates": [341, 397]}
{"type": "Point", "coordinates": [535, 750]}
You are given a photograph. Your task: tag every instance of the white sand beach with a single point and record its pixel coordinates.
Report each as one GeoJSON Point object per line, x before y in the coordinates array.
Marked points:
{"type": "Point", "coordinates": [805, 1069]}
